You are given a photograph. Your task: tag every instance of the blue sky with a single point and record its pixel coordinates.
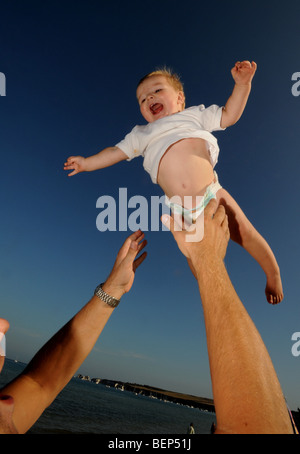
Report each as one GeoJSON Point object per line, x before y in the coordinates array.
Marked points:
{"type": "Point", "coordinates": [71, 70]}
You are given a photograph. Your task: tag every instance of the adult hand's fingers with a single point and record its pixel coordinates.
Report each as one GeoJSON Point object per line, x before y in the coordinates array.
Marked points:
{"type": "Point", "coordinates": [135, 237]}
{"type": "Point", "coordinates": [225, 226]}
{"type": "Point", "coordinates": [220, 215]}
{"type": "Point", "coordinates": [168, 222]}
{"type": "Point", "coordinates": [210, 209]}
{"type": "Point", "coordinates": [139, 260]}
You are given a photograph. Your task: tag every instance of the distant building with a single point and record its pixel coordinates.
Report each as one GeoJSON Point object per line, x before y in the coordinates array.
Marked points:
{"type": "Point", "coordinates": [96, 380]}
{"type": "Point", "coordinates": [84, 377]}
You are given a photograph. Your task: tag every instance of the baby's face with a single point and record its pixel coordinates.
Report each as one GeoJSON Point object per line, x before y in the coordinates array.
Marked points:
{"type": "Point", "coordinates": [157, 98]}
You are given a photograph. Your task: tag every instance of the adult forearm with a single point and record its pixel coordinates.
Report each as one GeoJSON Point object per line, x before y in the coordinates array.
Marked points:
{"type": "Point", "coordinates": [56, 363]}
{"type": "Point", "coordinates": [247, 394]}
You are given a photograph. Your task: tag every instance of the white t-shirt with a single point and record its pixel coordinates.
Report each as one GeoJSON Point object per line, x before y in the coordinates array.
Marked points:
{"type": "Point", "coordinates": [152, 140]}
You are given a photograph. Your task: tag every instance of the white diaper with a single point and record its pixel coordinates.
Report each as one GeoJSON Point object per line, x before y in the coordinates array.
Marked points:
{"type": "Point", "coordinates": [191, 215]}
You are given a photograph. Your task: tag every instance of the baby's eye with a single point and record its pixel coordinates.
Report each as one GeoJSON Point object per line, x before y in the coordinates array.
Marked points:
{"type": "Point", "coordinates": [159, 89]}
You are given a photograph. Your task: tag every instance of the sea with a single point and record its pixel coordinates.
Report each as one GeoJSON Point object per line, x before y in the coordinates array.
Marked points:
{"type": "Point", "coordinates": [84, 407]}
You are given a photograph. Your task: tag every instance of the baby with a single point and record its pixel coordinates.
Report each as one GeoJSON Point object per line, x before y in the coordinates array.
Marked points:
{"type": "Point", "coordinates": [180, 154]}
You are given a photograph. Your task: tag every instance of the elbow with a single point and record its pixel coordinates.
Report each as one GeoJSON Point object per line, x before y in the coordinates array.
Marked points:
{"type": "Point", "coordinates": [227, 124]}
{"type": "Point", "coordinates": [228, 121]}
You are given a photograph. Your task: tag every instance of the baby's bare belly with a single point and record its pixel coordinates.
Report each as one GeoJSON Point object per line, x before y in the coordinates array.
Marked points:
{"type": "Point", "coordinates": [185, 169]}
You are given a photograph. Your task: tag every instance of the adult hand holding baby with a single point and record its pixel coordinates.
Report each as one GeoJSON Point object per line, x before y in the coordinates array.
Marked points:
{"type": "Point", "coordinates": [216, 234]}
{"type": "Point", "coordinates": [122, 275]}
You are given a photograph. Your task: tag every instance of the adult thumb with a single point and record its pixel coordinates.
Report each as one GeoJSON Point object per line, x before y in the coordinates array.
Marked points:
{"type": "Point", "coordinates": [168, 222]}
{"type": "Point", "coordinates": [171, 224]}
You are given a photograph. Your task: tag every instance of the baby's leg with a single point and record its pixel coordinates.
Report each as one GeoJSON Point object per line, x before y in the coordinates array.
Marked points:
{"type": "Point", "coordinates": [243, 233]}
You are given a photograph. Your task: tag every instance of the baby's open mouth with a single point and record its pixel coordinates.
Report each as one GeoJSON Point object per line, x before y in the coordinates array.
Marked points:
{"type": "Point", "coordinates": [156, 108]}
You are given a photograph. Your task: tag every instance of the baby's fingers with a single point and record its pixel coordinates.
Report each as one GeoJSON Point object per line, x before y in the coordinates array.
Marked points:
{"type": "Point", "coordinates": [73, 173]}
{"type": "Point", "coordinates": [71, 167]}
{"type": "Point", "coordinates": [70, 160]}
{"type": "Point", "coordinates": [246, 64]}
{"type": "Point", "coordinates": [254, 66]}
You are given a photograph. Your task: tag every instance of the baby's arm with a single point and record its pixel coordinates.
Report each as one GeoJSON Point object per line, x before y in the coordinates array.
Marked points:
{"type": "Point", "coordinates": [105, 158]}
{"type": "Point", "coordinates": [242, 74]}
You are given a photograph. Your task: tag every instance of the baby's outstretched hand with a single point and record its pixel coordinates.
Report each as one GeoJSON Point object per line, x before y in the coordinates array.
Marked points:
{"type": "Point", "coordinates": [243, 72]}
{"type": "Point", "coordinates": [75, 163]}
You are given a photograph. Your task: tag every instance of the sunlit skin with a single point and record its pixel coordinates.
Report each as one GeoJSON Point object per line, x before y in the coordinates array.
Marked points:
{"type": "Point", "coordinates": [247, 394]}
{"type": "Point", "coordinates": [6, 402]}
{"type": "Point", "coordinates": [157, 98]}
{"type": "Point", "coordinates": [185, 168]}
{"type": "Point", "coordinates": [24, 399]}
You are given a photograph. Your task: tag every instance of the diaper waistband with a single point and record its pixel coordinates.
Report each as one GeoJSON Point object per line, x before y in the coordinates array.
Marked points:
{"type": "Point", "coordinates": [210, 193]}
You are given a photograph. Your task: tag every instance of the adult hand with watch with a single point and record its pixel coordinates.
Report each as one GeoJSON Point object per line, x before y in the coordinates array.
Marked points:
{"type": "Point", "coordinates": [121, 277]}
{"type": "Point", "coordinates": [23, 400]}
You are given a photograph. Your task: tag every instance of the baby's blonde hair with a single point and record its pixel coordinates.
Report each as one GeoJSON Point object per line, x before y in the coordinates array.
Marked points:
{"type": "Point", "coordinates": [173, 79]}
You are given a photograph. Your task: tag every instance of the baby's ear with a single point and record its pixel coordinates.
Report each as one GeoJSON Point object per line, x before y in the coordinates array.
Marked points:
{"type": "Point", "coordinates": [181, 99]}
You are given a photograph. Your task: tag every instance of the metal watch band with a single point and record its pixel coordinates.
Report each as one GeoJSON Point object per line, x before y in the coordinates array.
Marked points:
{"type": "Point", "coordinates": [110, 300]}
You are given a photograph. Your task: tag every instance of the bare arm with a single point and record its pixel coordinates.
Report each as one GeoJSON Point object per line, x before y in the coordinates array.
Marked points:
{"type": "Point", "coordinates": [105, 158]}
{"type": "Point", "coordinates": [242, 74]}
{"type": "Point", "coordinates": [247, 393]}
{"type": "Point", "coordinates": [55, 364]}
{"type": "Point", "coordinates": [246, 390]}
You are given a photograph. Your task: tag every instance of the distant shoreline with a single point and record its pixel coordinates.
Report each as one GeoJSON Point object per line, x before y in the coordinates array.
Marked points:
{"type": "Point", "coordinates": [202, 403]}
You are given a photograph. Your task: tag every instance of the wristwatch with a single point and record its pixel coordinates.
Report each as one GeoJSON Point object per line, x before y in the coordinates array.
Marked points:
{"type": "Point", "coordinates": [110, 300]}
